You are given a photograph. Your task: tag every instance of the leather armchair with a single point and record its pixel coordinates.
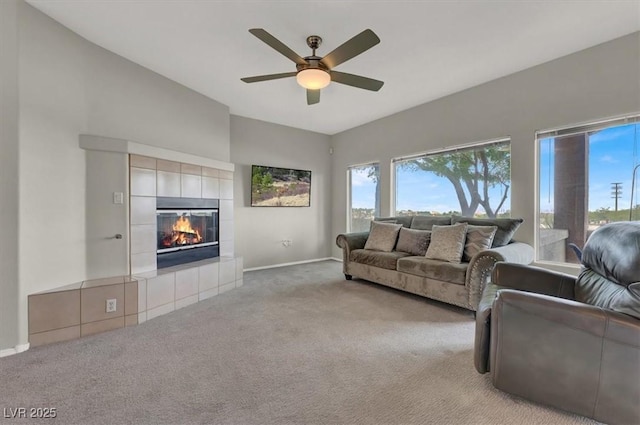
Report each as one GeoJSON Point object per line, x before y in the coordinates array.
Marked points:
{"type": "Point", "coordinates": [565, 341]}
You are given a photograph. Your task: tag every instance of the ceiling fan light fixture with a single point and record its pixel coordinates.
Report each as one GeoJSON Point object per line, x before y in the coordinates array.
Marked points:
{"type": "Point", "coordinates": [313, 78]}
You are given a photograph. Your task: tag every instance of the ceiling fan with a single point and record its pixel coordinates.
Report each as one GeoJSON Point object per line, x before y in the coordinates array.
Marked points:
{"type": "Point", "coordinates": [314, 72]}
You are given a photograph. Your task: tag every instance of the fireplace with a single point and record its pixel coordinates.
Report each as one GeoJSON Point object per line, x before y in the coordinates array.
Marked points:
{"type": "Point", "coordinates": [187, 230]}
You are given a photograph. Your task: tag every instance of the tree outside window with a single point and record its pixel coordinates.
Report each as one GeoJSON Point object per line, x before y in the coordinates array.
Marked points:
{"type": "Point", "coordinates": [473, 181]}
{"type": "Point", "coordinates": [364, 202]}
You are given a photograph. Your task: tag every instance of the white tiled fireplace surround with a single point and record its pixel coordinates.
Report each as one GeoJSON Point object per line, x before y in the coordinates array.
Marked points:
{"type": "Point", "coordinates": [162, 291]}
{"type": "Point", "coordinates": [78, 309]}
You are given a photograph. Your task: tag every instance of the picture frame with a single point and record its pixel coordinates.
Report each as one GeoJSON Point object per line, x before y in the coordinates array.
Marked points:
{"type": "Point", "coordinates": [280, 187]}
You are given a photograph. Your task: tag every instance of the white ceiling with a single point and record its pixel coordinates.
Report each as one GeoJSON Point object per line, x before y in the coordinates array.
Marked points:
{"type": "Point", "coordinates": [429, 49]}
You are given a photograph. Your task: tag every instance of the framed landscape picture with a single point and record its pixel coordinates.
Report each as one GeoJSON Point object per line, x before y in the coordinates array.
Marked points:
{"type": "Point", "coordinates": [280, 187]}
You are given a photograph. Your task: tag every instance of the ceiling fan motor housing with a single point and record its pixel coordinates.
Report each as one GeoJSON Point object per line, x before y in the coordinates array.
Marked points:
{"type": "Point", "coordinates": [312, 62]}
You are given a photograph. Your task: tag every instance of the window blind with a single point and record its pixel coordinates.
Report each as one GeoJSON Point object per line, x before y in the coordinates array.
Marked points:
{"type": "Point", "coordinates": [587, 128]}
{"type": "Point", "coordinates": [462, 148]}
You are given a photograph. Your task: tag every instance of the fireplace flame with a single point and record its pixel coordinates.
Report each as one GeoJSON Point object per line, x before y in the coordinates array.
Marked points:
{"type": "Point", "coordinates": [182, 234]}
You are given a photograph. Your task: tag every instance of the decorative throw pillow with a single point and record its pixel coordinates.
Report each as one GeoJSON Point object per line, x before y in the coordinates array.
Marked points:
{"type": "Point", "coordinates": [479, 238]}
{"type": "Point", "coordinates": [506, 227]}
{"type": "Point", "coordinates": [423, 222]}
{"type": "Point", "coordinates": [382, 236]}
{"type": "Point", "coordinates": [414, 242]}
{"type": "Point", "coordinates": [404, 220]}
{"type": "Point", "coordinates": [447, 242]}
{"type": "Point", "coordinates": [384, 220]}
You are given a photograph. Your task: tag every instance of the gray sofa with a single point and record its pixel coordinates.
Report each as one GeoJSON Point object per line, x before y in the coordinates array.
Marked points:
{"type": "Point", "coordinates": [460, 284]}
{"type": "Point", "coordinates": [565, 341]}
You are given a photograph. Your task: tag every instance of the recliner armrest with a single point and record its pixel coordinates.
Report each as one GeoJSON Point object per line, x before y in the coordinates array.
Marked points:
{"type": "Point", "coordinates": [534, 279]}
{"type": "Point", "coordinates": [520, 277]}
{"type": "Point", "coordinates": [483, 328]}
{"type": "Point", "coordinates": [566, 354]}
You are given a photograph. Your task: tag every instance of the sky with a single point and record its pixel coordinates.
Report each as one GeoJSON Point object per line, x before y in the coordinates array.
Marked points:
{"type": "Point", "coordinates": [613, 153]}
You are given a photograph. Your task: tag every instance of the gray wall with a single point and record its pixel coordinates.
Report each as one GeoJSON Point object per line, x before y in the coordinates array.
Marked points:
{"type": "Point", "coordinates": [68, 87]}
{"type": "Point", "coordinates": [107, 172]}
{"type": "Point", "coordinates": [260, 230]}
{"type": "Point", "coordinates": [596, 83]}
{"type": "Point", "coordinates": [151, 109]}
{"type": "Point", "coordinates": [52, 166]}
{"type": "Point", "coordinates": [9, 116]}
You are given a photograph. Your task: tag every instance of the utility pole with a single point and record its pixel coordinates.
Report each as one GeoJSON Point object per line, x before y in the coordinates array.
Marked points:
{"type": "Point", "coordinates": [616, 192]}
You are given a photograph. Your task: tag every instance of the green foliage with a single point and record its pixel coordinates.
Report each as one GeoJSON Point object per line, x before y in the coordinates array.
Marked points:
{"type": "Point", "coordinates": [546, 220]}
{"type": "Point", "coordinates": [261, 180]}
{"type": "Point", "coordinates": [605, 215]}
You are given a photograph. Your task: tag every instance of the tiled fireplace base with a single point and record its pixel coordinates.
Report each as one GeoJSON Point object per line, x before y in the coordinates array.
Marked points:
{"type": "Point", "coordinates": [165, 290]}
{"type": "Point", "coordinates": [79, 309]}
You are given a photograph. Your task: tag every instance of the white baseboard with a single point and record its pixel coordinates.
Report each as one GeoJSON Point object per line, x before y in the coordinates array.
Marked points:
{"type": "Point", "coordinates": [339, 260]}
{"type": "Point", "coordinates": [274, 266]}
{"type": "Point", "coordinates": [11, 351]}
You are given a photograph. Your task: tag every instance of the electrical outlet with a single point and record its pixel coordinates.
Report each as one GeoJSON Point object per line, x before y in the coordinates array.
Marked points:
{"type": "Point", "coordinates": [111, 305]}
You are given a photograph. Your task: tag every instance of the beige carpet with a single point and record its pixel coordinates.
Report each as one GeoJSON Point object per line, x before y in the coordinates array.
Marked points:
{"type": "Point", "coordinates": [295, 345]}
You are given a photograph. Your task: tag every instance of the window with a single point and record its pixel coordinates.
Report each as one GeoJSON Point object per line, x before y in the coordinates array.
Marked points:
{"type": "Point", "coordinates": [364, 196]}
{"type": "Point", "coordinates": [586, 179]}
{"type": "Point", "coordinates": [470, 181]}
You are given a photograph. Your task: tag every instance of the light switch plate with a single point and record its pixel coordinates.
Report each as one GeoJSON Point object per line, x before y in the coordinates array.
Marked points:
{"type": "Point", "coordinates": [118, 197]}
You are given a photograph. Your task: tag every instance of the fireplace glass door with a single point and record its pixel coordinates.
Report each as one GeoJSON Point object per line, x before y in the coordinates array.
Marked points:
{"type": "Point", "coordinates": [186, 229]}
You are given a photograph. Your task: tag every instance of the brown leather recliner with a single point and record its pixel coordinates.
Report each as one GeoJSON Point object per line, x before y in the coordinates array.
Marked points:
{"type": "Point", "coordinates": [572, 343]}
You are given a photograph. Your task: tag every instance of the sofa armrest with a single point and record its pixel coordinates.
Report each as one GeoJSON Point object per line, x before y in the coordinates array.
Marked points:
{"type": "Point", "coordinates": [350, 241]}
{"type": "Point", "coordinates": [534, 279]}
{"type": "Point", "coordinates": [482, 264]}
{"type": "Point", "coordinates": [513, 252]}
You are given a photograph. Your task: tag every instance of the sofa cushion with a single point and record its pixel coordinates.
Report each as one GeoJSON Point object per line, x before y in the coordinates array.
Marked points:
{"type": "Point", "coordinates": [404, 220]}
{"type": "Point", "coordinates": [414, 242]}
{"type": "Point", "coordinates": [383, 236]}
{"type": "Point", "coordinates": [384, 260]}
{"type": "Point", "coordinates": [479, 238]}
{"type": "Point", "coordinates": [506, 227]}
{"type": "Point", "coordinates": [425, 222]}
{"type": "Point", "coordinates": [447, 242]}
{"type": "Point", "coordinates": [434, 269]}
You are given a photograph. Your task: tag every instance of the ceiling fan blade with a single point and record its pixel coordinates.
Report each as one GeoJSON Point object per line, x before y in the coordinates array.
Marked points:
{"type": "Point", "coordinates": [313, 96]}
{"type": "Point", "coordinates": [277, 45]}
{"type": "Point", "coordinates": [268, 77]}
{"type": "Point", "coordinates": [353, 47]}
{"type": "Point", "coordinates": [356, 81]}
